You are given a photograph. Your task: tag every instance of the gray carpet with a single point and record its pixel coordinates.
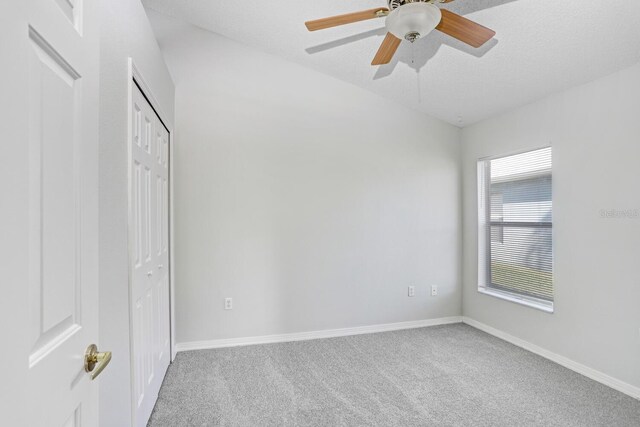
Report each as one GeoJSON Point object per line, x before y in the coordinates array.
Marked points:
{"type": "Point", "coordinates": [450, 375]}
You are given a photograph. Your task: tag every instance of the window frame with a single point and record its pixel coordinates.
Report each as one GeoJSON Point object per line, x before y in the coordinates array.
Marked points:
{"type": "Point", "coordinates": [485, 224]}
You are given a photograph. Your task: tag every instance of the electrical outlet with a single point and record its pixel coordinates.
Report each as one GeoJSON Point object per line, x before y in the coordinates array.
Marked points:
{"type": "Point", "coordinates": [434, 290]}
{"type": "Point", "coordinates": [228, 303]}
{"type": "Point", "coordinates": [412, 291]}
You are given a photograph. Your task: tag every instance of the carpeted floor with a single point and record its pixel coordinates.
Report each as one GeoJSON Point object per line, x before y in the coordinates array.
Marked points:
{"type": "Point", "coordinates": [450, 375]}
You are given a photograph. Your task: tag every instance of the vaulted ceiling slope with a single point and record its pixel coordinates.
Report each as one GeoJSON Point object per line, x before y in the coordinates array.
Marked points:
{"type": "Point", "coordinates": [541, 47]}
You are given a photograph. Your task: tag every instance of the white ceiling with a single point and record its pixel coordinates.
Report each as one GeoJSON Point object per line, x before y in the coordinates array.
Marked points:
{"type": "Point", "coordinates": [541, 47]}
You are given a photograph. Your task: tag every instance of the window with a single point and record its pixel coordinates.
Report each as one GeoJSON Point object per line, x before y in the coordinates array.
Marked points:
{"type": "Point", "coordinates": [515, 252]}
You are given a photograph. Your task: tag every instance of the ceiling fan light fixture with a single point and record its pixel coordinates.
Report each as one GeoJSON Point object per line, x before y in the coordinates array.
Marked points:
{"type": "Point", "coordinates": [413, 20]}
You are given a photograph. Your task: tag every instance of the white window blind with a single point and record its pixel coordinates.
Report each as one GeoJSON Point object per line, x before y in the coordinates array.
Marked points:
{"type": "Point", "coordinates": [515, 223]}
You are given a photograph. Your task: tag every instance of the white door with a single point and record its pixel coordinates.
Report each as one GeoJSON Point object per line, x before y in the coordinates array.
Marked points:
{"type": "Point", "coordinates": [49, 75]}
{"type": "Point", "coordinates": [150, 252]}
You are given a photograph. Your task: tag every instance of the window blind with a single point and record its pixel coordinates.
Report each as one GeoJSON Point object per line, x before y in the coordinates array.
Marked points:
{"type": "Point", "coordinates": [515, 222]}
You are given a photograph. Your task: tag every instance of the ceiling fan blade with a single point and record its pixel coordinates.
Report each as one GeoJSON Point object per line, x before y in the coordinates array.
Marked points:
{"type": "Point", "coordinates": [334, 21]}
{"type": "Point", "coordinates": [464, 29]}
{"type": "Point", "coordinates": [387, 50]}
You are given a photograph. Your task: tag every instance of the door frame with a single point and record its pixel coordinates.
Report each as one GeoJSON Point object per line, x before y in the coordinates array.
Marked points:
{"type": "Point", "coordinates": [135, 77]}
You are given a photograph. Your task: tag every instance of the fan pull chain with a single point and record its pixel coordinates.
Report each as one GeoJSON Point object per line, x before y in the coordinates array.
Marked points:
{"type": "Point", "coordinates": [419, 88]}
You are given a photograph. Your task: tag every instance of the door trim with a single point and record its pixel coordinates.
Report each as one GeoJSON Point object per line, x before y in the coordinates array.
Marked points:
{"type": "Point", "coordinates": [135, 78]}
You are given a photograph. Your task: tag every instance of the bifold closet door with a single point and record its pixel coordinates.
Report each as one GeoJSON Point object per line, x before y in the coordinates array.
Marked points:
{"type": "Point", "coordinates": [150, 279]}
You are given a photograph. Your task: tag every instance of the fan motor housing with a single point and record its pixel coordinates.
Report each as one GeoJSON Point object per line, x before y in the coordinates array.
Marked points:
{"type": "Point", "coordinates": [394, 4]}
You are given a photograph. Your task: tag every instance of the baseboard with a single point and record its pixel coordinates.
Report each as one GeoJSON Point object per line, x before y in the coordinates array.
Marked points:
{"type": "Point", "coordinates": [588, 372]}
{"type": "Point", "coordinates": [312, 335]}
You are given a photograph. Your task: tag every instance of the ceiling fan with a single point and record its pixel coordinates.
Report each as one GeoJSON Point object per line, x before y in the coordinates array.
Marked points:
{"type": "Point", "coordinates": [411, 19]}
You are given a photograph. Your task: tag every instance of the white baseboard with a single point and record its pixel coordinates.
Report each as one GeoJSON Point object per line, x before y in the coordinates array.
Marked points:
{"type": "Point", "coordinates": [588, 372]}
{"type": "Point", "coordinates": [312, 335]}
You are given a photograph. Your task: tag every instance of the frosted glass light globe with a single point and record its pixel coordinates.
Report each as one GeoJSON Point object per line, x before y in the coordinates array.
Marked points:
{"type": "Point", "coordinates": [413, 20]}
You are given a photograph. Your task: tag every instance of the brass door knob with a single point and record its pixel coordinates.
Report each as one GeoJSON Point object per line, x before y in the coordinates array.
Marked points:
{"type": "Point", "coordinates": [94, 361]}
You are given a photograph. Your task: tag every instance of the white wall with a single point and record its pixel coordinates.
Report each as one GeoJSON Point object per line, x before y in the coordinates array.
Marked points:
{"type": "Point", "coordinates": [125, 32]}
{"type": "Point", "coordinates": [595, 131]}
{"type": "Point", "coordinates": [313, 203]}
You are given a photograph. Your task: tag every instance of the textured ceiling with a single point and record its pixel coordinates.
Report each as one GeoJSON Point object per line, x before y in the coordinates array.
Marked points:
{"type": "Point", "coordinates": [541, 47]}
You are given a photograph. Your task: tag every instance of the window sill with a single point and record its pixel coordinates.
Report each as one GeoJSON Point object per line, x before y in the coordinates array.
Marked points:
{"type": "Point", "coordinates": [529, 302]}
